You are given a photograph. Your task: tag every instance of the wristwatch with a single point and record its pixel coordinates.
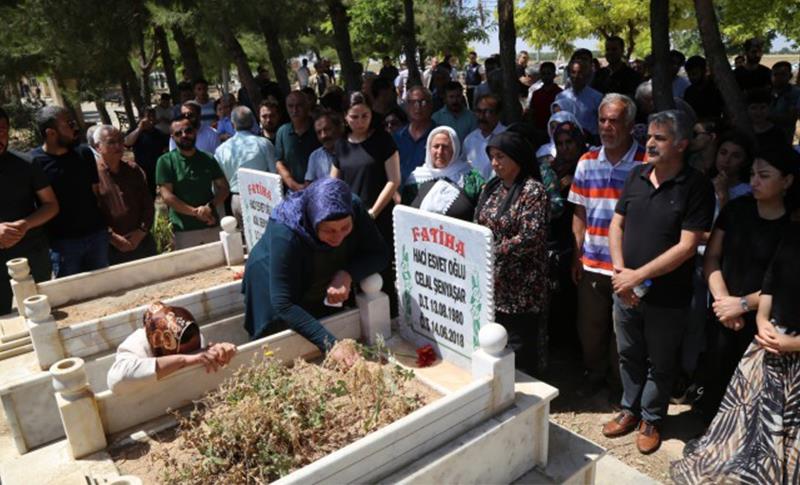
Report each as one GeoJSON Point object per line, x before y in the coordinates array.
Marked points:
{"type": "Point", "coordinates": [743, 302]}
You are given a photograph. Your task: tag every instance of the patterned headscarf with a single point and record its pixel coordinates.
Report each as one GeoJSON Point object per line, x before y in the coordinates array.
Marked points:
{"type": "Point", "coordinates": [165, 326]}
{"type": "Point", "coordinates": [325, 199]}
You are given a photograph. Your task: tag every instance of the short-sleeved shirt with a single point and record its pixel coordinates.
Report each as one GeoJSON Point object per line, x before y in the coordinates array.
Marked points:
{"type": "Point", "coordinates": [597, 185]}
{"type": "Point", "coordinates": [748, 245]}
{"type": "Point", "coordinates": [319, 164]}
{"type": "Point", "coordinates": [760, 77]}
{"type": "Point", "coordinates": [474, 149]}
{"type": "Point", "coordinates": [412, 152]}
{"type": "Point", "coordinates": [654, 219]}
{"type": "Point", "coordinates": [781, 280]}
{"type": "Point", "coordinates": [149, 146]}
{"type": "Point", "coordinates": [587, 102]}
{"type": "Point", "coordinates": [207, 140]}
{"type": "Point", "coordinates": [19, 182]}
{"type": "Point", "coordinates": [72, 176]}
{"type": "Point", "coordinates": [191, 179]}
{"type": "Point", "coordinates": [362, 165]}
{"type": "Point", "coordinates": [208, 113]}
{"type": "Point", "coordinates": [294, 149]}
{"type": "Point", "coordinates": [623, 80]}
{"type": "Point", "coordinates": [244, 150]}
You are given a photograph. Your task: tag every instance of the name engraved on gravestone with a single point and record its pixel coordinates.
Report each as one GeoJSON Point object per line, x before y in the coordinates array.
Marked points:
{"type": "Point", "coordinates": [260, 192]}
{"type": "Point", "coordinates": [445, 281]}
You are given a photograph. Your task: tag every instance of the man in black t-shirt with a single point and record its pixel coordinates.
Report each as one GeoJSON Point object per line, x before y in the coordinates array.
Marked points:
{"type": "Point", "coordinates": [753, 74]}
{"type": "Point", "coordinates": [617, 76]}
{"type": "Point", "coordinates": [78, 234]}
{"type": "Point", "coordinates": [148, 143]}
{"type": "Point", "coordinates": [26, 202]}
{"type": "Point", "coordinates": [661, 216]}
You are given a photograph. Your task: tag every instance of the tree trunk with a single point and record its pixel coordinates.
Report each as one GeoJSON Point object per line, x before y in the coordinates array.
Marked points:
{"type": "Point", "coordinates": [100, 104]}
{"type": "Point", "coordinates": [126, 101]}
{"type": "Point", "coordinates": [732, 96]}
{"type": "Point", "coordinates": [133, 88]}
{"type": "Point", "coordinates": [236, 51]}
{"type": "Point", "coordinates": [630, 42]}
{"type": "Point", "coordinates": [512, 111]}
{"type": "Point", "coordinates": [341, 39]}
{"type": "Point", "coordinates": [188, 48]}
{"type": "Point", "coordinates": [276, 56]}
{"type": "Point", "coordinates": [659, 44]}
{"type": "Point", "coordinates": [166, 62]}
{"type": "Point", "coordinates": [410, 44]}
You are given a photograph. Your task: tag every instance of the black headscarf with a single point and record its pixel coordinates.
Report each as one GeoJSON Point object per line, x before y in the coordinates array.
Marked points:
{"type": "Point", "coordinates": [521, 152]}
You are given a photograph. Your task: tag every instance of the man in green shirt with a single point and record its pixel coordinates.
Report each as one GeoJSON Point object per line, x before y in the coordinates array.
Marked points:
{"type": "Point", "coordinates": [295, 141]}
{"type": "Point", "coordinates": [185, 177]}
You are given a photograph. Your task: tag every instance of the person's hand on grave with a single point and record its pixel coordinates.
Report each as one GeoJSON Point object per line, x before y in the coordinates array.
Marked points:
{"type": "Point", "coordinates": [345, 355]}
{"type": "Point", "coordinates": [339, 287]}
{"type": "Point", "coordinates": [205, 358]}
{"type": "Point", "coordinates": [120, 242]}
{"type": "Point", "coordinates": [223, 352]}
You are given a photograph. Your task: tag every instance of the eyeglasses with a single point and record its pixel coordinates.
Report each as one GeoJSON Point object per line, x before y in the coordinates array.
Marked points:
{"type": "Point", "coordinates": [486, 111]}
{"type": "Point", "coordinates": [185, 131]}
{"type": "Point", "coordinates": [421, 103]}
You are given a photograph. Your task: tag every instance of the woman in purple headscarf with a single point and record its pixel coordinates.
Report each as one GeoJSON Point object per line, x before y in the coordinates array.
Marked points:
{"type": "Point", "coordinates": [318, 241]}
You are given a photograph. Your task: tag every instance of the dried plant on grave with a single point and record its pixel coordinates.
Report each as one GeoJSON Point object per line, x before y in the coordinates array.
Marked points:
{"type": "Point", "coordinates": [269, 419]}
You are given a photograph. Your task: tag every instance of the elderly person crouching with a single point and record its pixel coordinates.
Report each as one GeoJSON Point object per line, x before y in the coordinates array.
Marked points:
{"type": "Point", "coordinates": [318, 242]}
{"type": "Point", "coordinates": [446, 184]}
{"type": "Point", "coordinates": [169, 341]}
{"type": "Point", "coordinates": [514, 206]}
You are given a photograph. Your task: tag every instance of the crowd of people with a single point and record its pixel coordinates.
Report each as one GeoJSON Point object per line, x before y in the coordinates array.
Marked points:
{"type": "Point", "coordinates": [668, 240]}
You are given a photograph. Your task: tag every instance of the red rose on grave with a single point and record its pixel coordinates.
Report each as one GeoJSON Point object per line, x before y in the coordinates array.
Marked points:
{"type": "Point", "coordinates": [426, 356]}
{"type": "Point", "coordinates": [237, 275]}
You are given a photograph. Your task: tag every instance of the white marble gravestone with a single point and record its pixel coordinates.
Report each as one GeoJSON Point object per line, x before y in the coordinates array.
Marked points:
{"type": "Point", "coordinates": [260, 192]}
{"type": "Point", "coordinates": [445, 281]}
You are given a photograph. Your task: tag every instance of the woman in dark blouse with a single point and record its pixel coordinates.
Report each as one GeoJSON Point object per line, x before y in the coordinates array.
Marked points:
{"type": "Point", "coordinates": [741, 247]}
{"type": "Point", "coordinates": [755, 435]}
{"type": "Point", "coordinates": [368, 161]}
{"type": "Point", "coordinates": [514, 206]}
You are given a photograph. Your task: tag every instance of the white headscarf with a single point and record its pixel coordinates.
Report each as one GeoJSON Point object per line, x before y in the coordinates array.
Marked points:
{"type": "Point", "coordinates": [549, 149]}
{"type": "Point", "coordinates": [454, 171]}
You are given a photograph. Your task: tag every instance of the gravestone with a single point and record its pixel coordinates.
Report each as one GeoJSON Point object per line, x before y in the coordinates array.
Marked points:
{"type": "Point", "coordinates": [260, 192]}
{"type": "Point", "coordinates": [445, 281]}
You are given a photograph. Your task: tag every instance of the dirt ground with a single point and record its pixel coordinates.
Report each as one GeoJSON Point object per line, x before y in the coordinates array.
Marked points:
{"type": "Point", "coordinates": [586, 416]}
{"type": "Point", "coordinates": [138, 458]}
{"type": "Point", "coordinates": [124, 300]}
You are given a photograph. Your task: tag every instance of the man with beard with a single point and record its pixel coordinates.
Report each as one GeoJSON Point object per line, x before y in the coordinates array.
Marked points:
{"type": "Point", "coordinates": [454, 114]}
{"type": "Point", "coordinates": [328, 126]}
{"type": "Point", "coordinates": [26, 203]}
{"type": "Point", "coordinates": [617, 76]}
{"type": "Point", "coordinates": [185, 177]}
{"type": "Point", "coordinates": [269, 118]}
{"type": "Point", "coordinates": [78, 234]}
{"type": "Point", "coordinates": [488, 112]}
{"type": "Point", "coordinates": [664, 210]}
{"type": "Point", "coordinates": [207, 138]}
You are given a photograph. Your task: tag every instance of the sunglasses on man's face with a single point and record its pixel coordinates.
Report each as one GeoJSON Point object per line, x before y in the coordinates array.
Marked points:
{"type": "Point", "coordinates": [185, 131]}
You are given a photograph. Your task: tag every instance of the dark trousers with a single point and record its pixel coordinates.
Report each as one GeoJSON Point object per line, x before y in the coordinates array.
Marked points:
{"type": "Point", "coordinates": [75, 255]}
{"type": "Point", "coordinates": [725, 348]}
{"type": "Point", "coordinates": [145, 249]}
{"type": "Point", "coordinates": [38, 256]}
{"type": "Point", "coordinates": [596, 327]}
{"type": "Point", "coordinates": [648, 338]}
{"type": "Point", "coordinates": [522, 331]}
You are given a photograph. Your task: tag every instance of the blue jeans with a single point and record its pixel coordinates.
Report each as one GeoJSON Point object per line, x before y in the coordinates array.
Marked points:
{"type": "Point", "coordinates": [649, 339]}
{"type": "Point", "coordinates": [76, 255]}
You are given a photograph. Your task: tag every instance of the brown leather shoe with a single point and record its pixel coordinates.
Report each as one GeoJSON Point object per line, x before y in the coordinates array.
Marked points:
{"type": "Point", "coordinates": [649, 439]}
{"type": "Point", "coordinates": [623, 423]}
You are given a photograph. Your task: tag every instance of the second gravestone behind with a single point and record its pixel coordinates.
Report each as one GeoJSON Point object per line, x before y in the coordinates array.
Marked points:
{"type": "Point", "coordinates": [445, 281]}
{"type": "Point", "coordinates": [260, 193]}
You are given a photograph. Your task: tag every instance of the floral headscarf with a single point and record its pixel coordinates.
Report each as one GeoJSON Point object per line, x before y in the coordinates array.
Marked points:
{"type": "Point", "coordinates": [164, 326]}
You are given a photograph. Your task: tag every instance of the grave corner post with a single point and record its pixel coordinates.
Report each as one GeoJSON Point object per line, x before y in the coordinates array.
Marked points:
{"type": "Point", "coordinates": [22, 283]}
{"type": "Point", "coordinates": [496, 361]}
{"type": "Point", "coordinates": [44, 331]}
{"type": "Point", "coordinates": [231, 241]}
{"type": "Point", "coordinates": [373, 307]}
{"type": "Point", "coordinates": [77, 407]}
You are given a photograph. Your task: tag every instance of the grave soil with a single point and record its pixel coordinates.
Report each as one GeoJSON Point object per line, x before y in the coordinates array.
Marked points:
{"type": "Point", "coordinates": [77, 312]}
{"type": "Point", "coordinates": [145, 457]}
{"type": "Point", "coordinates": [586, 416]}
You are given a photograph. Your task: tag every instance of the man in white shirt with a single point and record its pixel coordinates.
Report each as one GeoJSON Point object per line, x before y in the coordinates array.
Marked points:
{"type": "Point", "coordinates": [488, 112]}
{"type": "Point", "coordinates": [303, 74]}
{"type": "Point", "coordinates": [207, 137]}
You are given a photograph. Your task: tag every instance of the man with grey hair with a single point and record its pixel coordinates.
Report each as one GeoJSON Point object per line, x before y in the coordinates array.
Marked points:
{"type": "Point", "coordinates": [663, 212]}
{"type": "Point", "coordinates": [125, 199]}
{"type": "Point", "coordinates": [243, 150]}
{"type": "Point", "coordinates": [598, 181]}
{"type": "Point", "coordinates": [411, 138]}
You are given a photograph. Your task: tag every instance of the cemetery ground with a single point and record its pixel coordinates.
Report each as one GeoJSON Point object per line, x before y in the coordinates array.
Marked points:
{"type": "Point", "coordinates": [586, 416]}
